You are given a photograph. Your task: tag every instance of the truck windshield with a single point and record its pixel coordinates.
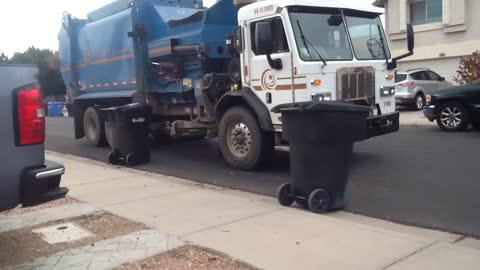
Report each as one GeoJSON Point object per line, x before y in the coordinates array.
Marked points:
{"type": "Point", "coordinates": [320, 34]}
{"type": "Point", "coordinates": [366, 33]}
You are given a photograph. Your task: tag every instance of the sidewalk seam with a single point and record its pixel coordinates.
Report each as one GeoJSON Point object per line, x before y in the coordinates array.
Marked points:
{"type": "Point", "coordinates": [100, 181]}
{"type": "Point", "coordinates": [410, 255]}
{"type": "Point", "coordinates": [231, 222]}
{"type": "Point", "coordinates": [146, 198]}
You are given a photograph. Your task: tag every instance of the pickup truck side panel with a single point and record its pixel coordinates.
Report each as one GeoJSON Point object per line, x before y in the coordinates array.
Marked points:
{"type": "Point", "coordinates": [13, 159]}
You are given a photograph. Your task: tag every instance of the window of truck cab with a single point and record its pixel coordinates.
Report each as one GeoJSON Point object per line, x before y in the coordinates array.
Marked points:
{"type": "Point", "coordinates": [320, 33]}
{"type": "Point", "coordinates": [367, 35]}
{"type": "Point", "coordinates": [279, 37]}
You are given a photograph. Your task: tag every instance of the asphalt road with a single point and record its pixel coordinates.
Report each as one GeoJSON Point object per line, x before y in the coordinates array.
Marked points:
{"type": "Point", "coordinates": [419, 176]}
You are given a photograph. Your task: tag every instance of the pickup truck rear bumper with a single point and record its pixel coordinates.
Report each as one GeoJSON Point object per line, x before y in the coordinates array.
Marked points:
{"type": "Point", "coordinates": [383, 124]}
{"type": "Point", "coordinates": [42, 184]}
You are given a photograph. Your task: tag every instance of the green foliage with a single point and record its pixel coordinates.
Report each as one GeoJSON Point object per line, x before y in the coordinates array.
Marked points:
{"type": "Point", "coordinates": [3, 58]}
{"type": "Point", "coordinates": [469, 69]}
{"type": "Point", "coordinates": [49, 74]}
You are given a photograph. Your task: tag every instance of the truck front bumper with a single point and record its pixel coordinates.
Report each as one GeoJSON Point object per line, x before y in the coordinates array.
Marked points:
{"type": "Point", "coordinates": [42, 184]}
{"type": "Point", "coordinates": [383, 124]}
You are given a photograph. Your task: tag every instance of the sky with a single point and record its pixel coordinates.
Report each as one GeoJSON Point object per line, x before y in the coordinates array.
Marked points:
{"type": "Point", "coordinates": [24, 23]}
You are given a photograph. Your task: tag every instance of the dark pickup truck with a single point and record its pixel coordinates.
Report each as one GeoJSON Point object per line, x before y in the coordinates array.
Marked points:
{"type": "Point", "coordinates": [25, 176]}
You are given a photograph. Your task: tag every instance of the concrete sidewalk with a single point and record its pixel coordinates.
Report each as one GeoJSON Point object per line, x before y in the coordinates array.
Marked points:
{"type": "Point", "coordinates": [255, 229]}
{"type": "Point", "coordinates": [414, 119]}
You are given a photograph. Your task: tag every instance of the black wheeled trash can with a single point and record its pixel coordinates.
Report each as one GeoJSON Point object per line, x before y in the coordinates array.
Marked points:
{"type": "Point", "coordinates": [127, 131]}
{"type": "Point", "coordinates": [321, 135]}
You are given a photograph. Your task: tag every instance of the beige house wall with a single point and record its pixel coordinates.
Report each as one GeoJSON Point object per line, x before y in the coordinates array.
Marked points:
{"type": "Point", "coordinates": [438, 46]}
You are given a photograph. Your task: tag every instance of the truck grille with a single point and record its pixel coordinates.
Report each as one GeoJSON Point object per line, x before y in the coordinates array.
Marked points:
{"type": "Point", "coordinates": [355, 83]}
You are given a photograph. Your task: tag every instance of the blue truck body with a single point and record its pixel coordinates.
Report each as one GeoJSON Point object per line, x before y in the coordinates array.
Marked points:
{"type": "Point", "coordinates": [101, 57]}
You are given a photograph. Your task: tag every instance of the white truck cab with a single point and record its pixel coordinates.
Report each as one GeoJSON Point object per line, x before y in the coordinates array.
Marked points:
{"type": "Point", "coordinates": [304, 50]}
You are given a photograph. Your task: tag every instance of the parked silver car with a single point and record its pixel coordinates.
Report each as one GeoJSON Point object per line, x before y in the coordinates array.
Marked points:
{"type": "Point", "coordinates": [412, 86]}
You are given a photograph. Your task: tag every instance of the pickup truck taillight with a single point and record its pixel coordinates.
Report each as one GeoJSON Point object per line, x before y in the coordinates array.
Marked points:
{"type": "Point", "coordinates": [30, 115]}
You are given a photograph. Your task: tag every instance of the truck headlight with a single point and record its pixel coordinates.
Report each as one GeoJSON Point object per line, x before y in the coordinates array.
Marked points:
{"type": "Point", "coordinates": [327, 97]}
{"type": "Point", "coordinates": [322, 97]}
{"type": "Point", "coordinates": [387, 91]}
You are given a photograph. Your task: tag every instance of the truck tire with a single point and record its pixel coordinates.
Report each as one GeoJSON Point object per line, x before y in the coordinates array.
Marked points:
{"type": "Point", "coordinates": [108, 134]}
{"type": "Point", "coordinates": [244, 145]}
{"type": "Point", "coordinates": [94, 128]}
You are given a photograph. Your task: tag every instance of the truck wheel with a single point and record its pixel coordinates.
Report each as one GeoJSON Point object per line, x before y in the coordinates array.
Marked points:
{"type": "Point", "coordinates": [244, 145]}
{"type": "Point", "coordinates": [109, 134]}
{"type": "Point", "coordinates": [452, 116]}
{"type": "Point", "coordinates": [94, 128]}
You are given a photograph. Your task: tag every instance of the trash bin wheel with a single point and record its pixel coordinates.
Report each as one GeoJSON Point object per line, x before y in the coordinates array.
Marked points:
{"type": "Point", "coordinates": [285, 195]}
{"type": "Point", "coordinates": [131, 159]}
{"type": "Point", "coordinates": [319, 201]}
{"type": "Point", "coordinates": [137, 158]}
{"type": "Point", "coordinates": [113, 158]}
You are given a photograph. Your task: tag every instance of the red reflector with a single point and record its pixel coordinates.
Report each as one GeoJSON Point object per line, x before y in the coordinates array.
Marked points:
{"type": "Point", "coordinates": [406, 84]}
{"type": "Point", "coordinates": [31, 117]}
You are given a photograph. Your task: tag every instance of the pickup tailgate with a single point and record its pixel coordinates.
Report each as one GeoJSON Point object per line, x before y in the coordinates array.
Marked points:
{"type": "Point", "coordinates": [14, 159]}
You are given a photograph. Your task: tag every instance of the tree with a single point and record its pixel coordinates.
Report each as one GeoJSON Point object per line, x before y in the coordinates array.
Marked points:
{"type": "Point", "coordinates": [49, 74]}
{"type": "Point", "coordinates": [3, 58]}
{"type": "Point", "coordinates": [469, 69]}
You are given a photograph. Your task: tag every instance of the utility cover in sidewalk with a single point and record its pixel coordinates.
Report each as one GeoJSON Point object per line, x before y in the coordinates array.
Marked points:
{"type": "Point", "coordinates": [61, 233]}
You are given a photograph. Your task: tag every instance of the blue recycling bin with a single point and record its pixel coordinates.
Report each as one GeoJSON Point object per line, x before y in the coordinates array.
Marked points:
{"type": "Point", "coordinates": [55, 109]}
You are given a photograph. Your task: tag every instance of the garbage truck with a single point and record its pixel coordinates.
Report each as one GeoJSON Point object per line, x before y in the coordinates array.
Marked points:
{"type": "Point", "coordinates": [218, 71]}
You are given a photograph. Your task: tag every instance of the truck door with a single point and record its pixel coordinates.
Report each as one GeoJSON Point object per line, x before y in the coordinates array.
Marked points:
{"type": "Point", "coordinates": [272, 86]}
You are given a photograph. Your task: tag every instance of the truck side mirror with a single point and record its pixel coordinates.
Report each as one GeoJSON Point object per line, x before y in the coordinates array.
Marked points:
{"type": "Point", "coordinates": [392, 64]}
{"type": "Point", "coordinates": [263, 37]}
{"type": "Point", "coordinates": [264, 43]}
{"type": "Point", "coordinates": [410, 38]}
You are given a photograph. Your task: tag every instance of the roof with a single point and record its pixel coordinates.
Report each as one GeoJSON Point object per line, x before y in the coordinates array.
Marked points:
{"type": "Point", "coordinates": [247, 11]}
{"type": "Point", "coordinates": [379, 3]}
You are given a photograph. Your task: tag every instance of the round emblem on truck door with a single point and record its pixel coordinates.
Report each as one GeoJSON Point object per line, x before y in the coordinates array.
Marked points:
{"type": "Point", "coordinates": [269, 81]}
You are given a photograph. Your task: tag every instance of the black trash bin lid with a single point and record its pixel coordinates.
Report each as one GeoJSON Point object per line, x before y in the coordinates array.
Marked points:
{"type": "Point", "coordinates": [325, 106]}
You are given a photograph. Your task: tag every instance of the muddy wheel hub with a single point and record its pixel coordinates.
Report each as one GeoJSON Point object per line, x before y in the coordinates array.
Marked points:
{"type": "Point", "coordinates": [239, 139]}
